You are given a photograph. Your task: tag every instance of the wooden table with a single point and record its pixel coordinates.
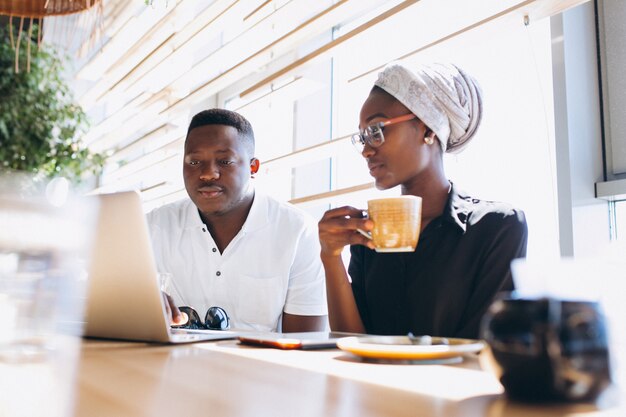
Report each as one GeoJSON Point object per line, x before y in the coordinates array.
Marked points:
{"type": "Point", "coordinates": [226, 379]}
{"type": "Point", "coordinates": [119, 379]}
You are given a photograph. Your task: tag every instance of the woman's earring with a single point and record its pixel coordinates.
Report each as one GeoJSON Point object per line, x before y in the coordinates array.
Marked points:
{"type": "Point", "coordinates": [429, 140]}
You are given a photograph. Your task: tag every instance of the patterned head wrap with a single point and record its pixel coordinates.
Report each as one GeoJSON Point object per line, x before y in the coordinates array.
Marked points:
{"type": "Point", "coordinates": [443, 96]}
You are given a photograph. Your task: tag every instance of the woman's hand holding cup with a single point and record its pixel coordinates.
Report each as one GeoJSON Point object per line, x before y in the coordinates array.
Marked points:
{"type": "Point", "coordinates": [392, 225]}
{"type": "Point", "coordinates": [338, 228]}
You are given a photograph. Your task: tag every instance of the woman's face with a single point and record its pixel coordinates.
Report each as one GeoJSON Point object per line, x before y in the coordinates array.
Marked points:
{"type": "Point", "coordinates": [403, 157]}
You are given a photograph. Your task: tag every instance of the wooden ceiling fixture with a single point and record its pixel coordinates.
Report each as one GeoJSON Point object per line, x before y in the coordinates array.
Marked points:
{"type": "Point", "coordinates": [28, 12]}
{"type": "Point", "coordinates": [43, 8]}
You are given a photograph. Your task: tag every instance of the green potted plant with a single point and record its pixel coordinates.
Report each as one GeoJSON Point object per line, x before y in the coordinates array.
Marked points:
{"type": "Point", "coordinates": [40, 124]}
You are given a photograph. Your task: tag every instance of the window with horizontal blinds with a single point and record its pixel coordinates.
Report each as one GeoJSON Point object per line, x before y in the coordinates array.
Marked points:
{"type": "Point", "coordinates": [511, 158]}
{"type": "Point", "coordinates": [299, 70]}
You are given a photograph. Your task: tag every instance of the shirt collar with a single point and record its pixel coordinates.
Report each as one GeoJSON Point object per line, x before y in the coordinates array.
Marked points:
{"type": "Point", "coordinates": [457, 208]}
{"type": "Point", "coordinates": [257, 218]}
{"type": "Point", "coordinates": [192, 217]}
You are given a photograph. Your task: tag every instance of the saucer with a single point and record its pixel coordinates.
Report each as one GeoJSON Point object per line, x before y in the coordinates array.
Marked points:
{"type": "Point", "coordinates": [404, 348]}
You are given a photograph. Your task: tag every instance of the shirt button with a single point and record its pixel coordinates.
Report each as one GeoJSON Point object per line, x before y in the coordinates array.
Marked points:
{"type": "Point", "coordinates": [203, 229]}
{"type": "Point", "coordinates": [218, 273]}
{"type": "Point", "coordinates": [214, 250]}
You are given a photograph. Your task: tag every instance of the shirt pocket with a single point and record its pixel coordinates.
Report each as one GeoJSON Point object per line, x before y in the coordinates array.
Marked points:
{"type": "Point", "coordinates": [260, 302]}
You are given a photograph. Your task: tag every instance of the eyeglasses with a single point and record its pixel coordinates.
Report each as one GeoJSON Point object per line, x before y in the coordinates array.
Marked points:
{"type": "Point", "coordinates": [214, 319]}
{"type": "Point", "coordinates": [373, 134]}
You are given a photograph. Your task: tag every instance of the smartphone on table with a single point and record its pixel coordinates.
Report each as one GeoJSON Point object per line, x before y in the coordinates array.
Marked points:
{"type": "Point", "coordinates": [304, 340]}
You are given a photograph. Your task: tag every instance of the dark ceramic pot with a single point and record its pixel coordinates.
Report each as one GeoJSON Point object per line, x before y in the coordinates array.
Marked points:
{"type": "Point", "coordinates": [547, 349]}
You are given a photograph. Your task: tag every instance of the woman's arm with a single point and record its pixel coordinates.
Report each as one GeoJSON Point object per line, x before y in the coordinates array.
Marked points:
{"type": "Point", "coordinates": [336, 230]}
{"type": "Point", "coordinates": [296, 323]}
{"type": "Point", "coordinates": [343, 313]}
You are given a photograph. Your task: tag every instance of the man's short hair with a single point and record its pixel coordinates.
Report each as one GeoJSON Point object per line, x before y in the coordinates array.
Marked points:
{"type": "Point", "coordinates": [227, 118]}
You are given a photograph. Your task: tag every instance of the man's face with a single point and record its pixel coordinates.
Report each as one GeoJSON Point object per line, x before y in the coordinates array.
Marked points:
{"type": "Point", "coordinates": [217, 169]}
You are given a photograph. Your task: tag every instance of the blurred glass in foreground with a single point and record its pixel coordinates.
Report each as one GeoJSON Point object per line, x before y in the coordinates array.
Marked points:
{"type": "Point", "coordinates": [45, 234]}
{"type": "Point", "coordinates": [600, 279]}
{"type": "Point", "coordinates": [561, 336]}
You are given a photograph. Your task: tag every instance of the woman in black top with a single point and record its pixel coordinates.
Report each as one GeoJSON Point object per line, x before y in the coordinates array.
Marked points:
{"type": "Point", "coordinates": [466, 245]}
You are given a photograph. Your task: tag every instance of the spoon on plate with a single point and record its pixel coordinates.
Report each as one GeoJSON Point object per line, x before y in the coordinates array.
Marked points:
{"type": "Point", "coordinates": [426, 340]}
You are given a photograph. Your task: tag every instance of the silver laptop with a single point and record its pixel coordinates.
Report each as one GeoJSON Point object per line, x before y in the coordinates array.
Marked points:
{"type": "Point", "coordinates": [124, 299]}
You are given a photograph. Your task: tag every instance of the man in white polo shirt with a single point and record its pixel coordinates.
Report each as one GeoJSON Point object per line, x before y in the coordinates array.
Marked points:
{"type": "Point", "coordinates": [231, 247]}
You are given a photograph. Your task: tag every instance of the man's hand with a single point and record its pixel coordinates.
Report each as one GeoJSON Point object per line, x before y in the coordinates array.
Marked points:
{"type": "Point", "coordinates": [175, 315]}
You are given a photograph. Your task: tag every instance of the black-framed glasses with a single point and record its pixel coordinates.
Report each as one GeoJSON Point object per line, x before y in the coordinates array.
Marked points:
{"type": "Point", "coordinates": [373, 134]}
{"type": "Point", "coordinates": [214, 319]}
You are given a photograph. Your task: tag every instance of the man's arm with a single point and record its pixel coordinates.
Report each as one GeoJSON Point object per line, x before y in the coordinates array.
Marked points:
{"type": "Point", "coordinates": [157, 239]}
